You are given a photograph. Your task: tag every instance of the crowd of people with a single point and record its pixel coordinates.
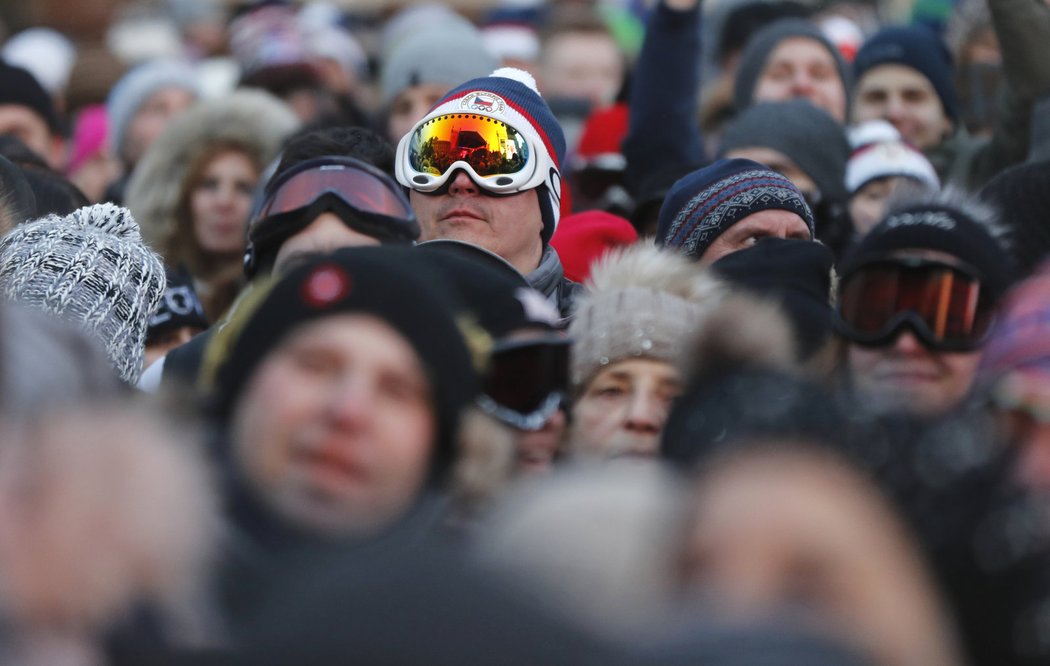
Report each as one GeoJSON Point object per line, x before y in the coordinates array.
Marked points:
{"type": "Point", "coordinates": [593, 331]}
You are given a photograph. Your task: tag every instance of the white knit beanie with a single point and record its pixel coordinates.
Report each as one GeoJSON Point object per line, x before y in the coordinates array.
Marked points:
{"type": "Point", "coordinates": [880, 152]}
{"type": "Point", "coordinates": [92, 268]}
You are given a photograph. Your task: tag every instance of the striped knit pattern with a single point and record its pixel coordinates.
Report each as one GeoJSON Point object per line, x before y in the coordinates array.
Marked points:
{"type": "Point", "coordinates": [91, 268]}
{"type": "Point", "coordinates": [727, 201]}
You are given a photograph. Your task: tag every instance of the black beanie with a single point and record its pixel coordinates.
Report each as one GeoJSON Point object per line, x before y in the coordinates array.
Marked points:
{"type": "Point", "coordinates": [20, 88]}
{"type": "Point", "coordinates": [794, 273]}
{"type": "Point", "coordinates": [915, 47]}
{"type": "Point", "coordinates": [179, 308]}
{"type": "Point", "coordinates": [387, 282]}
{"type": "Point", "coordinates": [496, 294]}
{"type": "Point", "coordinates": [806, 134]}
{"type": "Point", "coordinates": [763, 42]}
{"type": "Point", "coordinates": [17, 201]}
{"type": "Point", "coordinates": [936, 227]}
{"type": "Point", "coordinates": [1022, 194]}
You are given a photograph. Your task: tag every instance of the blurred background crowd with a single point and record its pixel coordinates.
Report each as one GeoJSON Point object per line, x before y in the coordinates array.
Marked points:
{"type": "Point", "coordinates": [524, 332]}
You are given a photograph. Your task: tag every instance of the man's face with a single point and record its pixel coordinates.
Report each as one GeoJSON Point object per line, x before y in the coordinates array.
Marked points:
{"type": "Point", "coordinates": [25, 125]}
{"type": "Point", "coordinates": [509, 226]}
{"type": "Point", "coordinates": [753, 228]}
{"type": "Point", "coordinates": [150, 120]}
{"type": "Point", "coordinates": [335, 429]}
{"type": "Point", "coordinates": [582, 65]}
{"type": "Point", "coordinates": [905, 98]}
{"type": "Point", "coordinates": [409, 107]}
{"type": "Point", "coordinates": [906, 375]}
{"type": "Point", "coordinates": [799, 67]}
{"type": "Point", "coordinates": [325, 234]}
{"type": "Point", "coordinates": [623, 408]}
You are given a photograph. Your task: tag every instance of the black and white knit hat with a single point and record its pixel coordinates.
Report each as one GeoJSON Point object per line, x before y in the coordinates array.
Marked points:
{"type": "Point", "coordinates": [92, 268]}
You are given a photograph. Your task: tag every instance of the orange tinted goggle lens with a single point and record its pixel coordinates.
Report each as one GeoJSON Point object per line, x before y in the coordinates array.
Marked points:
{"type": "Point", "coordinates": [949, 303]}
{"type": "Point", "coordinates": [358, 188]}
{"type": "Point", "coordinates": [490, 147]}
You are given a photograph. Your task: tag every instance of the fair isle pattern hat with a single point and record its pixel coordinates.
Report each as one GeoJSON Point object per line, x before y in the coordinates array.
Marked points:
{"type": "Point", "coordinates": [90, 268]}
{"type": "Point", "coordinates": [510, 95]}
{"type": "Point", "coordinates": [706, 202]}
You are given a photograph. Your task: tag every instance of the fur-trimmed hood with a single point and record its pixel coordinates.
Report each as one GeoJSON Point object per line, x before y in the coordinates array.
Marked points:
{"type": "Point", "coordinates": [251, 118]}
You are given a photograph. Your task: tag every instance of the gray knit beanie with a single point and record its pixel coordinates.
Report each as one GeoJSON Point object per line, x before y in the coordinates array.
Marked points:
{"type": "Point", "coordinates": [802, 132]}
{"type": "Point", "coordinates": [437, 55]}
{"type": "Point", "coordinates": [640, 302]}
{"type": "Point", "coordinates": [135, 87]}
{"type": "Point", "coordinates": [91, 268]}
{"type": "Point", "coordinates": [753, 60]}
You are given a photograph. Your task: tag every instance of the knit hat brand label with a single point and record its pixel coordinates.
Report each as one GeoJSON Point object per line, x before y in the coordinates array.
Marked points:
{"type": "Point", "coordinates": [938, 219]}
{"type": "Point", "coordinates": [327, 285]}
{"type": "Point", "coordinates": [484, 102]}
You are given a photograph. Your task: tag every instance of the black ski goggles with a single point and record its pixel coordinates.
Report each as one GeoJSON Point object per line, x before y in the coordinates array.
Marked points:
{"type": "Point", "coordinates": [364, 197]}
{"type": "Point", "coordinates": [526, 382]}
{"type": "Point", "coordinates": [947, 306]}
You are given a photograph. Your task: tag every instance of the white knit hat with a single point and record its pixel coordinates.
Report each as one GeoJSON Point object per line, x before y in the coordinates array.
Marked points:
{"type": "Point", "coordinates": [880, 152]}
{"type": "Point", "coordinates": [91, 268]}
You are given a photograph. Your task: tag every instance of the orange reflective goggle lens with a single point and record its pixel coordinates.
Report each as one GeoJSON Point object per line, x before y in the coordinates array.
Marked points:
{"type": "Point", "coordinates": [489, 146]}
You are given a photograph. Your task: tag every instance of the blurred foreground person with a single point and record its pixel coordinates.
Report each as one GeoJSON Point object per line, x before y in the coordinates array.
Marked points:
{"type": "Point", "coordinates": [786, 473]}
{"type": "Point", "coordinates": [916, 301]}
{"type": "Point", "coordinates": [337, 391]}
{"type": "Point", "coordinates": [108, 520]}
{"type": "Point", "coordinates": [1014, 376]}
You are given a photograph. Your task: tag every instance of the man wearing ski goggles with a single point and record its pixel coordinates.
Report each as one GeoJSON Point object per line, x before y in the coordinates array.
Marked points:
{"type": "Point", "coordinates": [326, 202]}
{"type": "Point", "coordinates": [483, 167]}
{"type": "Point", "coordinates": [916, 301]}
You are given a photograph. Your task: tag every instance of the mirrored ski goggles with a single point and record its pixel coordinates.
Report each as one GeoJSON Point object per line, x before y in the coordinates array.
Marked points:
{"type": "Point", "coordinates": [526, 382]}
{"type": "Point", "coordinates": [496, 156]}
{"type": "Point", "coordinates": [359, 186]}
{"type": "Point", "coordinates": [946, 306]}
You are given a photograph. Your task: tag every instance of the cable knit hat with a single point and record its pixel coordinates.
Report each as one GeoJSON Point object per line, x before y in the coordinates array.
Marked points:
{"type": "Point", "coordinates": [762, 44]}
{"type": "Point", "coordinates": [705, 203]}
{"type": "Point", "coordinates": [915, 47]}
{"type": "Point", "coordinates": [806, 134]}
{"type": "Point", "coordinates": [641, 302]}
{"type": "Point", "coordinates": [135, 87]}
{"type": "Point", "coordinates": [91, 268]}
{"type": "Point", "coordinates": [510, 95]}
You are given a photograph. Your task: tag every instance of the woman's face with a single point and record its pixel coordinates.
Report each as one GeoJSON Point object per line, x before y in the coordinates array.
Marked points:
{"type": "Point", "coordinates": [221, 202]}
{"type": "Point", "coordinates": [799, 532]}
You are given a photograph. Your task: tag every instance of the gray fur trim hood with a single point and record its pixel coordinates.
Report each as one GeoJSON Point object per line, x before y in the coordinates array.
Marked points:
{"type": "Point", "coordinates": [252, 118]}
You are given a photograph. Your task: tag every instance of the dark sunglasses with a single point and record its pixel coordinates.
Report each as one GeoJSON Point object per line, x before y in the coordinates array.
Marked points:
{"type": "Point", "coordinates": [947, 306]}
{"type": "Point", "coordinates": [526, 381]}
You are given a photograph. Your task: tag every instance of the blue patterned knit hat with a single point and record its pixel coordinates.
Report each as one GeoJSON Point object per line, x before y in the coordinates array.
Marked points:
{"type": "Point", "coordinates": [510, 95]}
{"type": "Point", "coordinates": [706, 202]}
